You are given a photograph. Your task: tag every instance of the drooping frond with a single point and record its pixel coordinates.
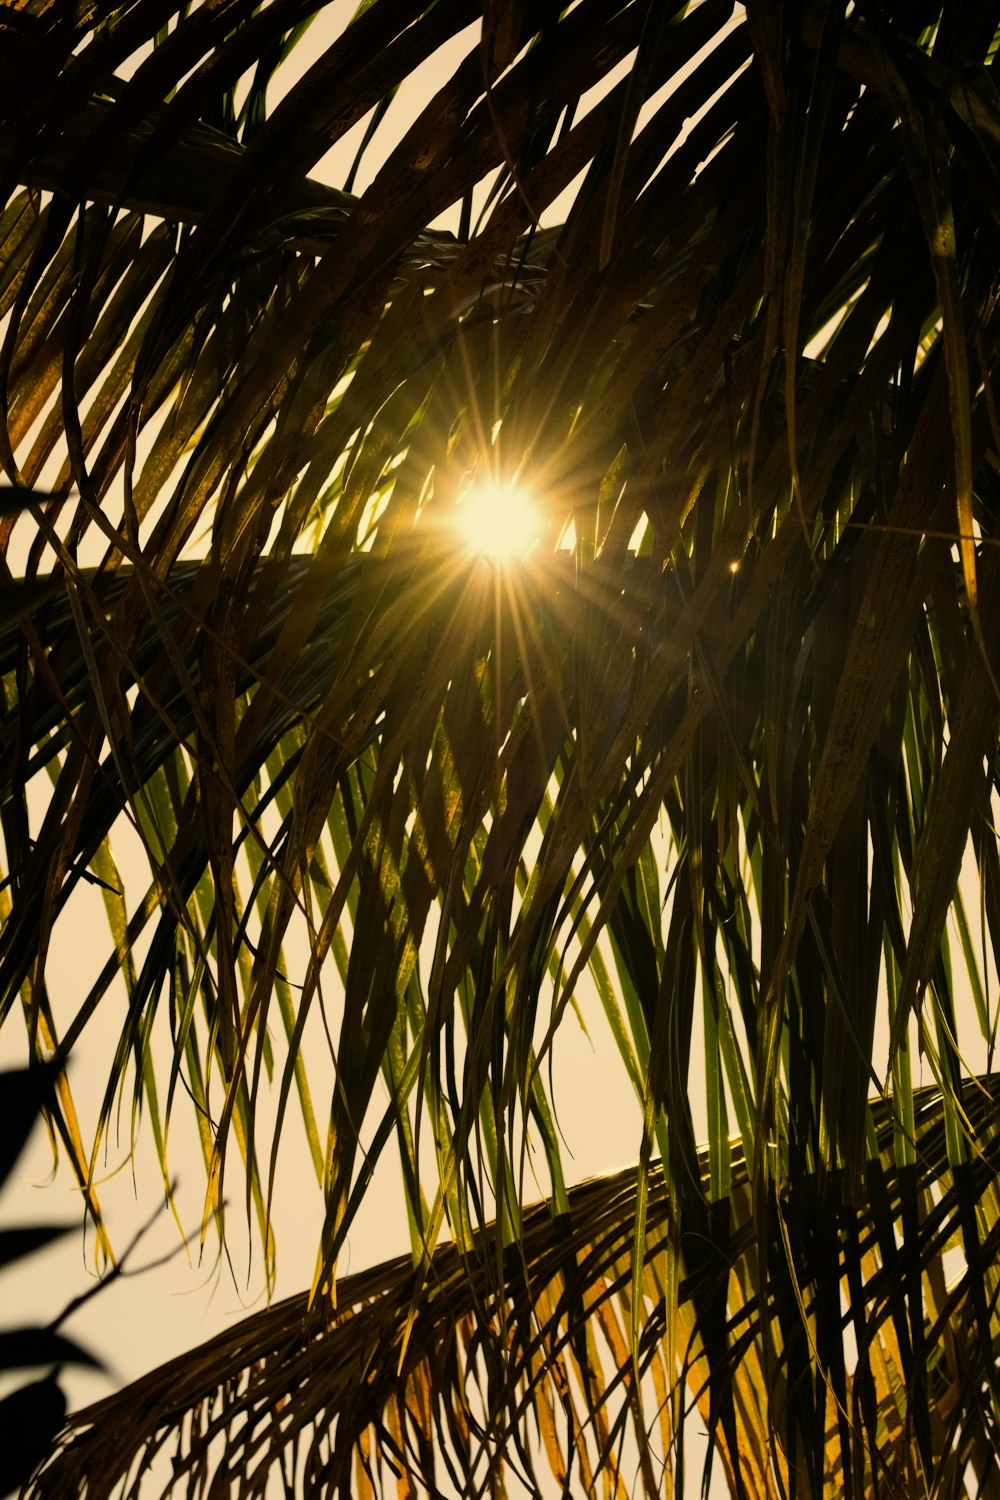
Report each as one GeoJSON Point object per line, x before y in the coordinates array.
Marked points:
{"type": "Point", "coordinates": [721, 291]}
{"type": "Point", "coordinates": [477, 1377]}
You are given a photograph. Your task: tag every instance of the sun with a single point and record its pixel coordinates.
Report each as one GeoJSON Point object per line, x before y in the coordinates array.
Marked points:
{"type": "Point", "coordinates": [498, 521]}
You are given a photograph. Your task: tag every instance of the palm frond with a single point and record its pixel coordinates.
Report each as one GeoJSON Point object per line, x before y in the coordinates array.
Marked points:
{"type": "Point", "coordinates": [466, 1375]}
{"type": "Point", "coordinates": [725, 741]}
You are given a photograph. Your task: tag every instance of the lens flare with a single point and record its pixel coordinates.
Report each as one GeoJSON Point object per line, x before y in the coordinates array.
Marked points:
{"type": "Point", "coordinates": [498, 521]}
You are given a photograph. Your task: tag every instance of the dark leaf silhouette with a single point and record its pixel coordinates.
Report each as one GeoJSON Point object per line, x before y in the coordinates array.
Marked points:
{"type": "Point", "coordinates": [24, 1093]}
{"type": "Point", "coordinates": [25, 1239]}
{"type": "Point", "coordinates": [15, 498]}
{"type": "Point", "coordinates": [21, 1347]}
{"type": "Point", "coordinates": [29, 1419]}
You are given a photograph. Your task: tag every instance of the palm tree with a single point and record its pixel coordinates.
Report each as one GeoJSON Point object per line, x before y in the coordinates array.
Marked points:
{"type": "Point", "coordinates": [723, 741]}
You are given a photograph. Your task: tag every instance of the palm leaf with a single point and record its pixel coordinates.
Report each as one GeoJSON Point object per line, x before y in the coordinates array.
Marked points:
{"type": "Point", "coordinates": [726, 747]}
{"type": "Point", "coordinates": [460, 1394]}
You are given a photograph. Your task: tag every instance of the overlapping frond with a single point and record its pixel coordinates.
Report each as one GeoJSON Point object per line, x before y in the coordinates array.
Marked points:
{"type": "Point", "coordinates": [723, 743]}
{"type": "Point", "coordinates": [473, 1377]}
